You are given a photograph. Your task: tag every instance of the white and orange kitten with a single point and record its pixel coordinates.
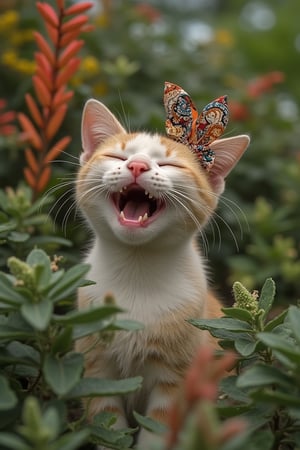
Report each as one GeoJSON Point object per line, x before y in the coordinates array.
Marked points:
{"type": "Point", "coordinates": [146, 197]}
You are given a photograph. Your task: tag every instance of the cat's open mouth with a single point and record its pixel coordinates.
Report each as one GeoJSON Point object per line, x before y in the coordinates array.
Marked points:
{"type": "Point", "coordinates": [136, 207]}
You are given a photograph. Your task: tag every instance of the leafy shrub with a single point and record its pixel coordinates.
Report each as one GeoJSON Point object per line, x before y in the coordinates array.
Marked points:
{"type": "Point", "coordinates": [42, 384]}
{"type": "Point", "coordinates": [41, 376]}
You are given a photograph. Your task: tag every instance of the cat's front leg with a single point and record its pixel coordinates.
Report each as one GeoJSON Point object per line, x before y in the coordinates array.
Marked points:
{"type": "Point", "coordinates": [160, 400]}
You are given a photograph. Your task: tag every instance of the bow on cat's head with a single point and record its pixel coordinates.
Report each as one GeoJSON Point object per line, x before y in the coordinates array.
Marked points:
{"type": "Point", "coordinates": [197, 131]}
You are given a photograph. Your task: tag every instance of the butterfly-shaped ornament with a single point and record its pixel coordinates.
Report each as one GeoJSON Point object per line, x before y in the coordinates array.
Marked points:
{"type": "Point", "coordinates": [197, 131]}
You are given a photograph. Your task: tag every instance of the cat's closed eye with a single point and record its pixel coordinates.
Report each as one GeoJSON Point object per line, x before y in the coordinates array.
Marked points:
{"type": "Point", "coordinates": [114, 156]}
{"type": "Point", "coordinates": [170, 164]}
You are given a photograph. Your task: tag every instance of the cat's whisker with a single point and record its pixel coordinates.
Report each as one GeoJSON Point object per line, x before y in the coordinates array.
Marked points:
{"type": "Point", "coordinates": [174, 197]}
{"type": "Point", "coordinates": [229, 204]}
{"type": "Point", "coordinates": [69, 163]}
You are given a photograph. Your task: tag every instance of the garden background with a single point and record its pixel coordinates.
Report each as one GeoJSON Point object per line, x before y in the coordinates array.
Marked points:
{"type": "Point", "coordinates": [249, 50]}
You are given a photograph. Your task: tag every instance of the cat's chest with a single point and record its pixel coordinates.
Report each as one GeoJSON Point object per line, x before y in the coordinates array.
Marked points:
{"type": "Point", "coordinates": [146, 288]}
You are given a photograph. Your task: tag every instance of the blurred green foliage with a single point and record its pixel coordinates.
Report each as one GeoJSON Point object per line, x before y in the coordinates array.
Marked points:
{"type": "Point", "coordinates": [247, 49]}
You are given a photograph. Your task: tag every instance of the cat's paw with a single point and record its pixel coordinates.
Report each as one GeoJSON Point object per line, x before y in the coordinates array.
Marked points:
{"type": "Point", "coordinates": [149, 441]}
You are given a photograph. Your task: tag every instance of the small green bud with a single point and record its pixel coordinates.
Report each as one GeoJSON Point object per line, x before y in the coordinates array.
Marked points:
{"type": "Point", "coordinates": [34, 429]}
{"type": "Point", "coordinates": [244, 299]}
{"type": "Point", "coordinates": [23, 272]}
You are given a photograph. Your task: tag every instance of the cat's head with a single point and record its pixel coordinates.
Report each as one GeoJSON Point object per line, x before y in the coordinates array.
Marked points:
{"type": "Point", "coordinates": [140, 187]}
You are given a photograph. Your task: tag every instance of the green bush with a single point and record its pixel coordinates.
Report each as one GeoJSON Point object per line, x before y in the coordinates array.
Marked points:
{"type": "Point", "coordinates": [41, 376]}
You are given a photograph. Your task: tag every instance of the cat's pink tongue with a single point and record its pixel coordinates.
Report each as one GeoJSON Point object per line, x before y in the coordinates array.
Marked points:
{"type": "Point", "coordinates": [134, 210]}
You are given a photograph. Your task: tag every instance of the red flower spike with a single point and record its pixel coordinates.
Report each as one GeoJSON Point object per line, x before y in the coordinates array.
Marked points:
{"type": "Point", "coordinates": [44, 47]}
{"type": "Point", "coordinates": [200, 387]}
{"type": "Point", "coordinates": [7, 130]}
{"type": "Point", "coordinates": [87, 28]}
{"type": "Point", "coordinates": [29, 128]}
{"type": "Point", "coordinates": [62, 98]}
{"type": "Point", "coordinates": [46, 77]}
{"type": "Point", "coordinates": [52, 33]}
{"type": "Point", "coordinates": [31, 160]}
{"type": "Point", "coordinates": [30, 178]}
{"type": "Point", "coordinates": [43, 62]}
{"type": "Point", "coordinates": [43, 179]}
{"type": "Point", "coordinates": [60, 4]}
{"type": "Point", "coordinates": [48, 13]}
{"type": "Point", "coordinates": [41, 91]}
{"type": "Point", "coordinates": [56, 62]}
{"type": "Point", "coordinates": [55, 121]}
{"type": "Point", "coordinates": [7, 117]}
{"type": "Point", "coordinates": [57, 149]}
{"type": "Point", "coordinates": [69, 52]}
{"type": "Point", "coordinates": [34, 110]}
{"type": "Point", "coordinates": [78, 8]}
{"type": "Point", "coordinates": [69, 37]}
{"type": "Point", "coordinates": [67, 73]}
{"type": "Point", "coordinates": [74, 24]}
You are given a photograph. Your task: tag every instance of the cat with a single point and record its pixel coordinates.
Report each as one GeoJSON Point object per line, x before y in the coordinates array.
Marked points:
{"type": "Point", "coordinates": [146, 197]}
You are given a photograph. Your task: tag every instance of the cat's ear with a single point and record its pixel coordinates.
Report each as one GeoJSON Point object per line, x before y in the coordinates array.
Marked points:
{"type": "Point", "coordinates": [227, 153]}
{"type": "Point", "coordinates": [98, 123]}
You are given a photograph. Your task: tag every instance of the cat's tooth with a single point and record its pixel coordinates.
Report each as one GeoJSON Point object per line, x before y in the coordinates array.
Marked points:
{"type": "Point", "coordinates": [122, 215]}
{"type": "Point", "coordinates": [146, 193]}
{"type": "Point", "coordinates": [150, 196]}
{"type": "Point", "coordinates": [121, 190]}
{"type": "Point", "coordinates": [145, 217]}
{"type": "Point", "coordinates": [140, 219]}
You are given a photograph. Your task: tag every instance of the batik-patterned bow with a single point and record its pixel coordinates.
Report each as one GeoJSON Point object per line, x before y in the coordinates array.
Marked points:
{"type": "Point", "coordinates": [197, 131]}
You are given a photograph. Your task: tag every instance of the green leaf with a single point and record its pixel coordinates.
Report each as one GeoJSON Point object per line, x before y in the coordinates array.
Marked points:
{"type": "Point", "coordinates": [126, 325]}
{"type": "Point", "coordinates": [112, 438]}
{"type": "Point", "coordinates": [24, 352]}
{"type": "Point", "coordinates": [150, 424]}
{"type": "Point", "coordinates": [245, 345]}
{"type": "Point", "coordinates": [8, 292]}
{"type": "Point", "coordinates": [276, 397]}
{"type": "Point", "coordinates": [40, 261]}
{"type": "Point", "coordinates": [71, 441]}
{"type": "Point", "coordinates": [87, 315]}
{"type": "Point", "coordinates": [224, 323]}
{"type": "Point", "coordinates": [238, 313]}
{"type": "Point", "coordinates": [278, 320]}
{"type": "Point", "coordinates": [18, 237]}
{"type": "Point", "coordinates": [8, 398]}
{"type": "Point", "coordinates": [68, 284]}
{"type": "Point", "coordinates": [52, 422]}
{"type": "Point", "coordinates": [95, 387]}
{"type": "Point", "coordinates": [62, 374]}
{"type": "Point", "coordinates": [263, 375]}
{"type": "Point", "coordinates": [63, 341]}
{"type": "Point", "coordinates": [229, 387]}
{"type": "Point", "coordinates": [267, 296]}
{"type": "Point", "coordinates": [281, 344]}
{"type": "Point", "coordinates": [50, 240]}
{"type": "Point", "coordinates": [294, 321]}
{"type": "Point", "coordinates": [13, 441]}
{"type": "Point", "coordinates": [38, 315]}
{"type": "Point", "coordinates": [87, 329]}
{"type": "Point", "coordinates": [8, 226]}
{"type": "Point", "coordinates": [8, 333]}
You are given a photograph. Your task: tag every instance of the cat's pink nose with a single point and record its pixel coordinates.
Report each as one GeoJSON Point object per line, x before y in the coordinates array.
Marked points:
{"type": "Point", "coordinates": [138, 167]}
